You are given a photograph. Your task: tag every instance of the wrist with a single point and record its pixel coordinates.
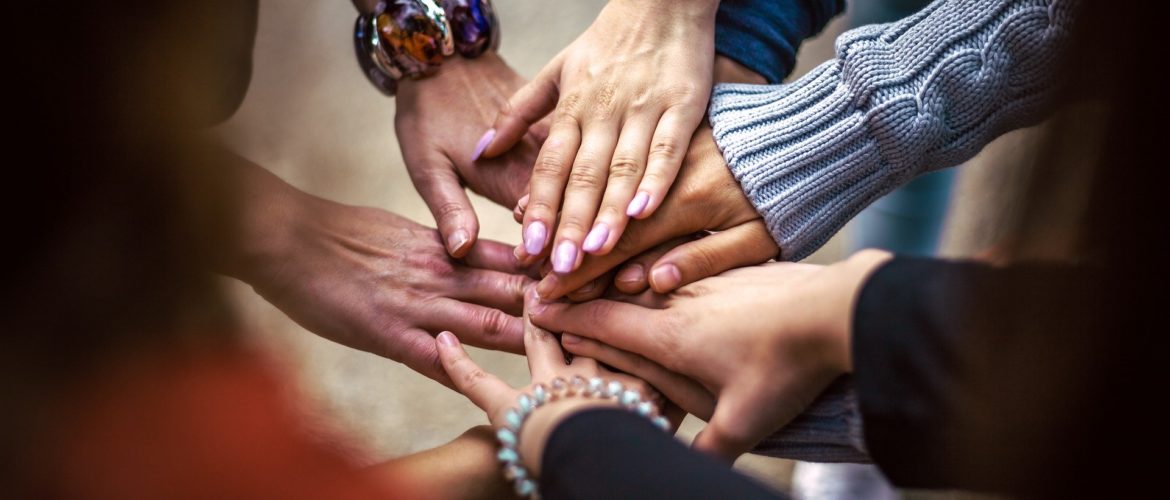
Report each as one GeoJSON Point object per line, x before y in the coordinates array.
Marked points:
{"type": "Point", "coordinates": [851, 276]}
{"type": "Point", "coordinates": [544, 420]}
{"type": "Point", "coordinates": [270, 213]}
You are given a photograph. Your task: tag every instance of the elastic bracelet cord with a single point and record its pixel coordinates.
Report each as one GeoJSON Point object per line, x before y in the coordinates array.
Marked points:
{"type": "Point", "coordinates": [509, 434]}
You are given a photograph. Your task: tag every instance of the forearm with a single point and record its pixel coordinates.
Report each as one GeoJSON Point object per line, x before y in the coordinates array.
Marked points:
{"type": "Point", "coordinates": [899, 100]}
{"type": "Point", "coordinates": [464, 469]}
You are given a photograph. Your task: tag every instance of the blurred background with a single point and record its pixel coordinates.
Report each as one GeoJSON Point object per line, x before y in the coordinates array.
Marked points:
{"type": "Point", "coordinates": [312, 118]}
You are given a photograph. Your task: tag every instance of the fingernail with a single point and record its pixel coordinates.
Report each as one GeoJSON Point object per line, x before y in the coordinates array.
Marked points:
{"type": "Point", "coordinates": [666, 277]}
{"type": "Point", "coordinates": [546, 286]}
{"type": "Point", "coordinates": [533, 303]}
{"type": "Point", "coordinates": [596, 237]}
{"type": "Point", "coordinates": [522, 204]}
{"type": "Point", "coordinates": [483, 143]}
{"type": "Point", "coordinates": [448, 339]}
{"type": "Point", "coordinates": [564, 257]}
{"type": "Point", "coordinates": [633, 273]}
{"type": "Point", "coordinates": [457, 241]}
{"type": "Point", "coordinates": [519, 253]}
{"type": "Point", "coordinates": [534, 236]}
{"type": "Point", "coordinates": [638, 204]}
{"type": "Point", "coordinates": [568, 338]}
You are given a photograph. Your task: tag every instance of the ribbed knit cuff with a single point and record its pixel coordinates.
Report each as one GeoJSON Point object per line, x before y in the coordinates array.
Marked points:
{"type": "Point", "coordinates": [802, 154]}
{"type": "Point", "coordinates": [829, 430]}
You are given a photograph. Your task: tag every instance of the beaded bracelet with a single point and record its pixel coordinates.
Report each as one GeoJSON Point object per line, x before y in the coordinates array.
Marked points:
{"type": "Point", "coordinates": [509, 434]}
{"type": "Point", "coordinates": [411, 38]}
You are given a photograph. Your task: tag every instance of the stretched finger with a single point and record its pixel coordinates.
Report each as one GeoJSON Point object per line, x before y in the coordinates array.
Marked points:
{"type": "Point", "coordinates": [669, 146]}
{"type": "Point", "coordinates": [545, 357]}
{"type": "Point", "coordinates": [684, 392]}
{"type": "Point", "coordinates": [416, 349]}
{"type": "Point", "coordinates": [477, 325]}
{"type": "Point", "coordinates": [441, 190]}
{"type": "Point", "coordinates": [744, 245]}
{"type": "Point", "coordinates": [482, 388]}
{"type": "Point", "coordinates": [547, 184]}
{"type": "Point", "coordinates": [626, 326]}
{"type": "Point", "coordinates": [494, 289]}
{"type": "Point", "coordinates": [583, 194]}
{"type": "Point", "coordinates": [525, 108]}
{"type": "Point", "coordinates": [625, 172]}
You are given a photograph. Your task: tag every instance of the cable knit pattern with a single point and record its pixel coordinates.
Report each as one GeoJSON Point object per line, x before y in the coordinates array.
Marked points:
{"type": "Point", "coordinates": [899, 100]}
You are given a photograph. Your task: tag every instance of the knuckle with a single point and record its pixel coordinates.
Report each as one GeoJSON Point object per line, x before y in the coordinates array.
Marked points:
{"type": "Point", "coordinates": [569, 106]}
{"type": "Point", "coordinates": [448, 209]}
{"type": "Point", "coordinates": [549, 166]}
{"type": "Point", "coordinates": [665, 148]}
{"type": "Point", "coordinates": [624, 166]}
{"type": "Point", "coordinates": [703, 262]}
{"type": "Point", "coordinates": [494, 323]}
{"type": "Point", "coordinates": [585, 175]}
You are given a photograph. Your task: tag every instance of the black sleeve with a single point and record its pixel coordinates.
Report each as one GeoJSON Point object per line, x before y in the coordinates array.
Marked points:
{"type": "Point", "coordinates": [968, 375]}
{"type": "Point", "coordinates": [613, 454]}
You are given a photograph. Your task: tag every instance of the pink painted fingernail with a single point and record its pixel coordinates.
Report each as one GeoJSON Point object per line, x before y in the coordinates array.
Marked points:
{"type": "Point", "coordinates": [483, 143]}
{"type": "Point", "coordinates": [534, 236]}
{"type": "Point", "coordinates": [638, 204]}
{"type": "Point", "coordinates": [522, 203]}
{"type": "Point", "coordinates": [564, 257]}
{"type": "Point", "coordinates": [568, 338]}
{"type": "Point", "coordinates": [448, 339]}
{"type": "Point", "coordinates": [666, 277]}
{"type": "Point", "coordinates": [596, 237]}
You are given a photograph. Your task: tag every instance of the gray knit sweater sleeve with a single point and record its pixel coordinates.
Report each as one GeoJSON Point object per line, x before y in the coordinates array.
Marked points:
{"type": "Point", "coordinates": [899, 100]}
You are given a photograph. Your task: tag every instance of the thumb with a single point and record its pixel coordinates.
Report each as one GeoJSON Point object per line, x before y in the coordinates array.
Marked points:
{"type": "Point", "coordinates": [526, 107]}
{"type": "Point", "coordinates": [484, 390]}
{"type": "Point", "coordinates": [741, 420]}
{"type": "Point", "coordinates": [439, 187]}
{"type": "Point", "coordinates": [744, 245]}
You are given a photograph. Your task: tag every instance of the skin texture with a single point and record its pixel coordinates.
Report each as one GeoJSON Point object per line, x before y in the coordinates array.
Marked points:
{"type": "Point", "coordinates": [546, 360]}
{"type": "Point", "coordinates": [782, 330]}
{"type": "Point", "coordinates": [438, 120]}
{"type": "Point", "coordinates": [464, 469]}
{"type": "Point", "coordinates": [627, 94]}
{"type": "Point", "coordinates": [370, 279]}
{"type": "Point", "coordinates": [704, 198]}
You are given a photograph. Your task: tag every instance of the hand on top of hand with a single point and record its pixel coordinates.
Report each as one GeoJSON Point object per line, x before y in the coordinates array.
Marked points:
{"type": "Point", "coordinates": [628, 95]}
{"type": "Point", "coordinates": [438, 120]}
{"type": "Point", "coordinates": [782, 332]}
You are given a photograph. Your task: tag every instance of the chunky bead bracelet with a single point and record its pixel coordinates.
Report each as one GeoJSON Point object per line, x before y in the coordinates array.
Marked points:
{"type": "Point", "coordinates": [411, 38]}
{"type": "Point", "coordinates": [509, 434]}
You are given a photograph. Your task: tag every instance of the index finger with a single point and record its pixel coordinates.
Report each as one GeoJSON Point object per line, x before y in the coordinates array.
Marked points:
{"type": "Point", "coordinates": [625, 326]}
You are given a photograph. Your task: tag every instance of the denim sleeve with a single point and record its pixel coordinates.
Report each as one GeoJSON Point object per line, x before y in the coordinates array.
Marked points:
{"type": "Point", "coordinates": [764, 35]}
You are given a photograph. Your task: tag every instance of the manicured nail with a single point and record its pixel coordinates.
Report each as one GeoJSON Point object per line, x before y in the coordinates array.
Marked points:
{"type": "Point", "coordinates": [534, 236]}
{"type": "Point", "coordinates": [666, 277]}
{"type": "Point", "coordinates": [638, 204]}
{"type": "Point", "coordinates": [522, 204]}
{"type": "Point", "coordinates": [448, 339]}
{"type": "Point", "coordinates": [596, 237]}
{"type": "Point", "coordinates": [568, 338]}
{"type": "Point", "coordinates": [546, 286]}
{"type": "Point", "coordinates": [459, 239]}
{"type": "Point", "coordinates": [483, 143]}
{"type": "Point", "coordinates": [564, 257]}
{"type": "Point", "coordinates": [633, 273]}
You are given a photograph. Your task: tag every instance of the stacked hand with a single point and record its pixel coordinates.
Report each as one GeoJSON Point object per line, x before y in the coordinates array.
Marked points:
{"type": "Point", "coordinates": [764, 341]}
{"type": "Point", "coordinates": [628, 94]}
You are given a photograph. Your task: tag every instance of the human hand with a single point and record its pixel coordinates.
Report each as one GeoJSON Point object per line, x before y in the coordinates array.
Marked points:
{"type": "Point", "coordinates": [372, 280]}
{"type": "Point", "coordinates": [437, 119]}
{"type": "Point", "coordinates": [705, 198]}
{"type": "Point", "coordinates": [546, 361]}
{"type": "Point", "coordinates": [782, 332]}
{"type": "Point", "coordinates": [628, 94]}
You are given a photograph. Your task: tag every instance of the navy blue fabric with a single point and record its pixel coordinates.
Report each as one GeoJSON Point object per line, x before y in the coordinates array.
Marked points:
{"type": "Point", "coordinates": [764, 35]}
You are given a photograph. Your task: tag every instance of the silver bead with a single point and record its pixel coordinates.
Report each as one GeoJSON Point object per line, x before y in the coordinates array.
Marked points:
{"type": "Point", "coordinates": [645, 408]}
{"type": "Point", "coordinates": [507, 456]}
{"type": "Point", "coordinates": [525, 404]}
{"type": "Point", "coordinates": [595, 386]}
{"type": "Point", "coordinates": [577, 385]}
{"type": "Point", "coordinates": [539, 394]}
{"type": "Point", "coordinates": [614, 389]}
{"type": "Point", "coordinates": [525, 487]}
{"type": "Point", "coordinates": [513, 420]}
{"type": "Point", "coordinates": [661, 422]}
{"type": "Point", "coordinates": [514, 472]}
{"type": "Point", "coordinates": [507, 438]}
{"type": "Point", "coordinates": [630, 397]}
{"type": "Point", "coordinates": [557, 388]}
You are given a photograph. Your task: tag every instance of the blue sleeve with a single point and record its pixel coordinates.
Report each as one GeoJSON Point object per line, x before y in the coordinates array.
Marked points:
{"type": "Point", "coordinates": [764, 35]}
